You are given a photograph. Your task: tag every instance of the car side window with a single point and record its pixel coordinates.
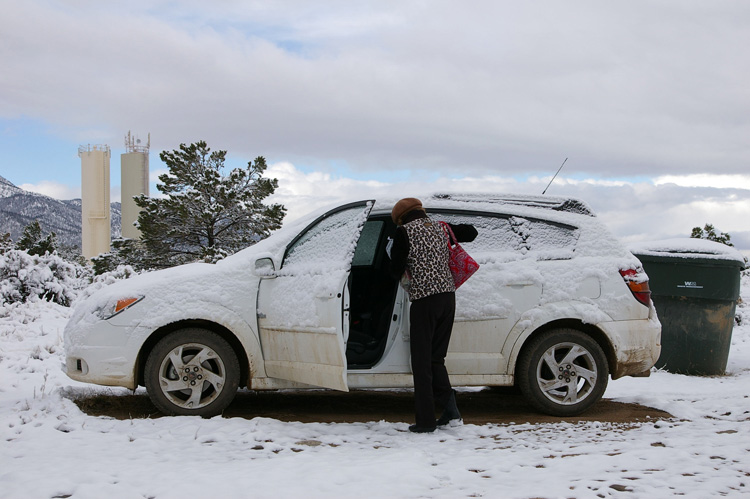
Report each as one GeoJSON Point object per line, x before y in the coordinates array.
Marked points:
{"type": "Point", "coordinates": [328, 244]}
{"type": "Point", "coordinates": [367, 245]}
{"type": "Point", "coordinates": [495, 235]}
{"type": "Point", "coordinates": [516, 237]}
{"type": "Point", "coordinates": [543, 237]}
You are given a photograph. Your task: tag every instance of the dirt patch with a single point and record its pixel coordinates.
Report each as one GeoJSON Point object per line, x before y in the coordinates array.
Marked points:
{"type": "Point", "coordinates": [491, 405]}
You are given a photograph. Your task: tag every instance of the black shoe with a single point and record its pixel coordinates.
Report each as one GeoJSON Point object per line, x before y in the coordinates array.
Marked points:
{"type": "Point", "coordinates": [421, 429]}
{"type": "Point", "coordinates": [450, 413]}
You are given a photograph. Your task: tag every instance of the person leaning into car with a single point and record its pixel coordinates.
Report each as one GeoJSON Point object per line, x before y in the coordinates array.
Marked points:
{"type": "Point", "coordinates": [420, 248]}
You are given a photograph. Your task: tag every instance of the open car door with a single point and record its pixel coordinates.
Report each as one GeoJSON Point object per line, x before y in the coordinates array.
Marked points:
{"type": "Point", "coordinates": [303, 306]}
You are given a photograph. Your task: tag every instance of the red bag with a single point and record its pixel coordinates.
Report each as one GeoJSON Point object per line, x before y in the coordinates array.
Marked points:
{"type": "Point", "coordinates": [461, 264]}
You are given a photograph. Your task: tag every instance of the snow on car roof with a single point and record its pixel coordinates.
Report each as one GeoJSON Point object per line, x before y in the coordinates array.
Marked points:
{"type": "Point", "coordinates": [563, 210]}
{"type": "Point", "coordinates": [569, 205]}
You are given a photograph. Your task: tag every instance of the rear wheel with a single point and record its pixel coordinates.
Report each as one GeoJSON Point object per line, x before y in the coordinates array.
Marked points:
{"type": "Point", "coordinates": [563, 372]}
{"type": "Point", "coordinates": [192, 372]}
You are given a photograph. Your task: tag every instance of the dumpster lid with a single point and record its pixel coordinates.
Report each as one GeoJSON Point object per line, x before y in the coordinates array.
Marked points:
{"type": "Point", "coordinates": [690, 248]}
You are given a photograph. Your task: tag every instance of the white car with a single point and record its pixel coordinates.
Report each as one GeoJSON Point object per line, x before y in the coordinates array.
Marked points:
{"type": "Point", "coordinates": [556, 308]}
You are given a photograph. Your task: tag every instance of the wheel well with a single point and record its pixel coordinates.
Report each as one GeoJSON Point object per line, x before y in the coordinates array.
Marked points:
{"type": "Point", "coordinates": [594, 332]}
{"type": "Point", "coordinates": [225, 333]}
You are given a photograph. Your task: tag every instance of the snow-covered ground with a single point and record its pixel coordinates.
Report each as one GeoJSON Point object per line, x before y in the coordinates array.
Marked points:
{"type": "Point", "coordinates": [49, 448]}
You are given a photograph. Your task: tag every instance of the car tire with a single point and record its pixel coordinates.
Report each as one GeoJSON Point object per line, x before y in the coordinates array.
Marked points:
{"type": "Point", "coordinates": [192, 372]}
{"type": "Point", "coordinates": [562, 372]}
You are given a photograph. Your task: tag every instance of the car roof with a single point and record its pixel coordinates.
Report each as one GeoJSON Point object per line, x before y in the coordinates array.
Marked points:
{"type": "Point", "coordinates": [568, 205]}
{"type": "Point", "coordinates": [561, 209]}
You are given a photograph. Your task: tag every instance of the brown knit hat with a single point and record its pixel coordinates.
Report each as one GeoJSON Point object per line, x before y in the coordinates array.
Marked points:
{"type": "Point", "coordinates": [403, 207]}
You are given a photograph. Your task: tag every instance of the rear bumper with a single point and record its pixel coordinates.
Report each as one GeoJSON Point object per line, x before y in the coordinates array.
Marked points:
{"type": "Point", "coordinates": [636, 345]}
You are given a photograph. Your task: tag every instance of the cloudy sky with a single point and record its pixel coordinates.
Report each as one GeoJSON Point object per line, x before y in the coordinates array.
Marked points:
{"type": "Point", "coordinates": [648, 100]}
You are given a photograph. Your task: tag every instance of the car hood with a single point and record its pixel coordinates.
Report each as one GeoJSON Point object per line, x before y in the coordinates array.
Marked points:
{"type": "Point", "coordinates": [174, 291]}
{"type": "Point", "coordinates": [186, 288]}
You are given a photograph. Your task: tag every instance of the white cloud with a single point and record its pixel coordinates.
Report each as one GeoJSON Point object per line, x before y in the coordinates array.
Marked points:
{"type": "Point", "coordinates": [633, 211]}
{"type": "Point", "coordinates": [54, 189]}
{"type": "Point", "coordinates": [643, 87]}
{"type": "Point", "coordinates": [634, 89]}
{"type": "Point", "coordinates": [302, 192]}
{"type": "Point", "coordinates": [65, 192]}
{"type": "Point", "coordinates": [706, 180]}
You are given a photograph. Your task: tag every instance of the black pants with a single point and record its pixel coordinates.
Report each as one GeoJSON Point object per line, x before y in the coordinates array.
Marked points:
{"type": "Point", "coordinates": [431, 323]}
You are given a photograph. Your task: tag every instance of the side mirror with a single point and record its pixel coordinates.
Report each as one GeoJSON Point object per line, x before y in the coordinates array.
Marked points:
{"type": "Point", "coordinates": [264, 267]}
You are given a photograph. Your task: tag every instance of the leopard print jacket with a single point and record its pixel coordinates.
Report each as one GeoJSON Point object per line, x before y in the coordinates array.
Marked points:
{"type": "Point", "coordinates": [427, 261]}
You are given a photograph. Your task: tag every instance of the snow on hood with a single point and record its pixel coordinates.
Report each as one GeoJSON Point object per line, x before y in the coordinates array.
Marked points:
{"type": "Point", "coordinates": [688, 247]}
{"type": "Point", "coordinates": [172, 287]}
{"type": "Point", "coordinates": [182, 291]}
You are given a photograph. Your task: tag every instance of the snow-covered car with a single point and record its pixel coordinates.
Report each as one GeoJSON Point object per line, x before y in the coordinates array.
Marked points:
{"type": "Point", "coordinates": [557, 307]}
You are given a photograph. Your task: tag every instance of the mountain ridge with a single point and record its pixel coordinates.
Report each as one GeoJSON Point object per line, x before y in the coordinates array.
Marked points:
{"type": "Point", "coordinates": [19, 208]}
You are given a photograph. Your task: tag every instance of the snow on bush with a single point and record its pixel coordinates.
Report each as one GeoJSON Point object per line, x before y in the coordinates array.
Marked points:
{"type": "Point", "coordinates": [97, 282]}
{"type": "Point", "coordinates": [28, 278]}
{"type": "Point", "coordinates": [25, 277]}
{"type": "Point", "coordinates": [742, 316]}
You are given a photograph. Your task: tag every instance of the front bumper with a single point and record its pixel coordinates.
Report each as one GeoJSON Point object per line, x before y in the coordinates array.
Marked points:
{"type": "Point", "coordinates": [100, 353]}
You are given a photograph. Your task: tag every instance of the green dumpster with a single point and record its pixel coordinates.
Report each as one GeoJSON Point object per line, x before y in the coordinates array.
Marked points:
{"type": "Point", "coordinates": [694, 285]}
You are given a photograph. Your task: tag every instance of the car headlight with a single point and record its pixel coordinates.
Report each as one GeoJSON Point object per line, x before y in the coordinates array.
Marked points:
{"type": "Point", "coordinates": [111, 309]}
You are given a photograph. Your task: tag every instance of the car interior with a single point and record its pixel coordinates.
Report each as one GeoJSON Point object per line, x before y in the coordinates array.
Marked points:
{"type": "Point", "coordinates": [372, 293]}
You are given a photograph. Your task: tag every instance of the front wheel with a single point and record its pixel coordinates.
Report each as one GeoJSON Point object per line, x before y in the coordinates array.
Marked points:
{"type": "Point", "coordinates": [192, 372]}
{"type": "Point", "coordinates": [563, 372]}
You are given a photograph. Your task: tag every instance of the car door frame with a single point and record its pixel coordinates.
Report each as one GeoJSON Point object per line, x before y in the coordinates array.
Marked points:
{"type": "Point", "coordinates": [312, 351]}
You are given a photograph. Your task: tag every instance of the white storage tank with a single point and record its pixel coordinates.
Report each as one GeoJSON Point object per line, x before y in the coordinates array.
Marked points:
{"type": "Point", "coordinates": [95, 215]}
{"type": "Point", "coordinates": [134, 182]}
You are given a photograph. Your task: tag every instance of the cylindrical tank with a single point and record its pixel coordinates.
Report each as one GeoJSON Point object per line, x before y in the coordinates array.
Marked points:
{"type": "Point", "coordinates": [134, 182]}
{"type": "Point", "coordinates": [95, 215]}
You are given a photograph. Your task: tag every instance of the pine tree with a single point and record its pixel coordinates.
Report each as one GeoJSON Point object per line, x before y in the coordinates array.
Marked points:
{"type": "Point", "coordinates": [124, 252]}
{"type": "Point", "coordinates": [33, 243]}
{"type": "Point", "coordinates": [6, 243]}
{"type": "Point", "coordinates": [205, 215]}
{"type": "Point", "coordinates": [709, 232]}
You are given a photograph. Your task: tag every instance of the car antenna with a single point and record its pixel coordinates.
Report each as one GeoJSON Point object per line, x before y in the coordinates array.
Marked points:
{"type": "Point", "coordinates": [555, 176]}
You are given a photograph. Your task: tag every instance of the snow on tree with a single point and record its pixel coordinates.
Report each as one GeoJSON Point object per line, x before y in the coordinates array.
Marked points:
{"type": "Point", "coordinates": [205, 215]}
{"type": "Point", "coordinates": [124, 251]}
{"type": "Point", "coordinates": [34, 243]}
{"type": "Point", "coordinates": [709, 232]}
{"type": "Point", "coordinates": [6, 243]}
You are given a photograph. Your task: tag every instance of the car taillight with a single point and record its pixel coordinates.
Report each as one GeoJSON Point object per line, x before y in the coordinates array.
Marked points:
{"type": "Point", "coordinates": [637, 281]}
